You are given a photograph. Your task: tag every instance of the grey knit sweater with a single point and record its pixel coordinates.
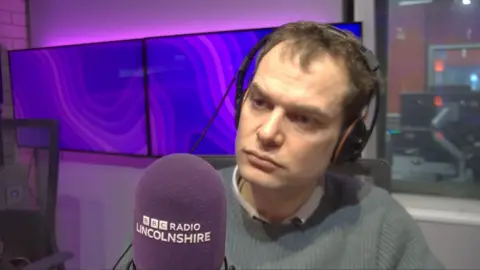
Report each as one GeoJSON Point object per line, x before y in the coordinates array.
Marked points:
{"type": "Point", "coordinates": [356, 226]}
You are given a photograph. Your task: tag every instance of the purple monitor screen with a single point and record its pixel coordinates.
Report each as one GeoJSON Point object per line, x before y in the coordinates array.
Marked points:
{"type": "Point", "coordinates": [94, 91]}
{"type": "Point", "coordinates": [188, 76]}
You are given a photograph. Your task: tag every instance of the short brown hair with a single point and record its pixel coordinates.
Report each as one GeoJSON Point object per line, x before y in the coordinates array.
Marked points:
{"type": "Point", "coordinates": [307, 40]}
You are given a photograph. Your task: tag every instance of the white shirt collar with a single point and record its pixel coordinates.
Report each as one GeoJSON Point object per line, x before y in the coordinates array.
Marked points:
{"type": "Point", "coordinates": [303, 213]}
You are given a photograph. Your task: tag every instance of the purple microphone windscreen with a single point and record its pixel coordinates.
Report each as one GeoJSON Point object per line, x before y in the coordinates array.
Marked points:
{"type": "Point", "coordinates": [179, 215]}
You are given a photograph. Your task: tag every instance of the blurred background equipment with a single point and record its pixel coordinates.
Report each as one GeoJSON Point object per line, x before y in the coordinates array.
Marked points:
{"type": "Point", "coordinates": [28, 193]}
{"type": "Point", "coordinates": [438, 137]}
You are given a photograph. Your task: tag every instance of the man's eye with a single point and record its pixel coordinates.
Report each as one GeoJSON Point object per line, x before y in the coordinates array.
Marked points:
{"type": "Point", "coordinates": [304, 121]}
{"type": "Point", "coordinates": [301, 119]}
{"type": "Point", "coordinates": [258, 103]}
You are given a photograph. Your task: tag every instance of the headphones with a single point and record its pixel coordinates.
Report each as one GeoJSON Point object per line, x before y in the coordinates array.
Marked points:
{"type": "Point", "coordinates": [354, 136]}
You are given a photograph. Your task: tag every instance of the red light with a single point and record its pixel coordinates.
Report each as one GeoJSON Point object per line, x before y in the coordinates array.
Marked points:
{"type": "Point", "coordinates": [439, 136]}
{"type": "Point", "coordinates": [439, 66]}
{"type": "Point", "coordinates": [438, 101]}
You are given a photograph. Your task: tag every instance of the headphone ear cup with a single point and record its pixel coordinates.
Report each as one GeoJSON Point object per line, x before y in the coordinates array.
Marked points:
{"type": "Point", "coordinates": [352, 143]}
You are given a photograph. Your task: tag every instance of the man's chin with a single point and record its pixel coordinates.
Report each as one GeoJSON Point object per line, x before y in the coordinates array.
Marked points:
{"type": "Point", "coordinates": [260, 178]}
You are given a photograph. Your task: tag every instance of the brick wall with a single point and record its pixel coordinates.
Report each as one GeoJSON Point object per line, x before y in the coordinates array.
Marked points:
{"type": "Point", "coordinates": [13, 35]}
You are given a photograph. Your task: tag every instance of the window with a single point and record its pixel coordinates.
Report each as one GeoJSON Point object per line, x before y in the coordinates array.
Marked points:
{"type": "Point", "coordinates": [431, 49]}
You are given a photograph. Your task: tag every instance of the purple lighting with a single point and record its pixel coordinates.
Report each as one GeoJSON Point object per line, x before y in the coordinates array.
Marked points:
{"type": "Point", "coordinates": [87, 21]}
{"type": "Point", "coordinates": [95, 91]}
{"type": "Point", "coordinates": [195, 71]}
{"type": "Point", "coordinates": [188, 76]}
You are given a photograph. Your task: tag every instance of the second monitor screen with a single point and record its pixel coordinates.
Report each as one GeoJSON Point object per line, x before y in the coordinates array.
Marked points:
{"type": "Point", "coordinates": [187, 76]}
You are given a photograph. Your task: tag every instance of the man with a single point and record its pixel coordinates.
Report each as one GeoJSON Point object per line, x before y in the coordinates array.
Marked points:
{"type": "Point", "coordinates": [284, 210]}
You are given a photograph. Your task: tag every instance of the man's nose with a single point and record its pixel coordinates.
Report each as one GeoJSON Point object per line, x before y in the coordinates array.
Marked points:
{"type": "Point", "coordinates": [270, 134]}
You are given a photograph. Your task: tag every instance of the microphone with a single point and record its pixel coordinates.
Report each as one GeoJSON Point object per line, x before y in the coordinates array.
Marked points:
{"type": "Point", "coordinates": [179, 216]}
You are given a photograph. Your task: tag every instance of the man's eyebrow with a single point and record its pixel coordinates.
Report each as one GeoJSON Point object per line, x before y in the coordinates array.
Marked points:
{"type": "Point", "coordinates": [256, 89]}
{"type": "Point", "coordinates": [309, 110]}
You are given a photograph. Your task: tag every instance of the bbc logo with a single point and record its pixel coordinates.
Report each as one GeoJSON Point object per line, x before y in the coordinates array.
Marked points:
{"type": "Point", "coordinates": [155, 223]}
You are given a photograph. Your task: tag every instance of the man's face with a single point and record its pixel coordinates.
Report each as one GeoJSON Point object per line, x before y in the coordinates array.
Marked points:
{"type": "Point", "coordinates": [291, 120]}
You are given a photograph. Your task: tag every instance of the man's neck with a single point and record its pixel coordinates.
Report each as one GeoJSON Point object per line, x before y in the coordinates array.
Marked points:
{"type": "Point", "coordinates": [276, 205]}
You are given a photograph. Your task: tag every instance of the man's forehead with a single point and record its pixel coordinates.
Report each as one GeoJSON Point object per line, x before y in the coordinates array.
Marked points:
{"type": "Point", "coordinates": [323, 107]}
{"type": "Point", "coordinates": [322, 84]}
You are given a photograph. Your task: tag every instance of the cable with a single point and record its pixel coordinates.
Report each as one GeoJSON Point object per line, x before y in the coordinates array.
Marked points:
{"type": "Point", "coordinates": [194, 147]}
{"type": "Point", "coordinates": [131, 265]}
{"type": "Point", "coordinates": [121, 257]}
{"type": "Point", "coordinates": [215, 113]}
